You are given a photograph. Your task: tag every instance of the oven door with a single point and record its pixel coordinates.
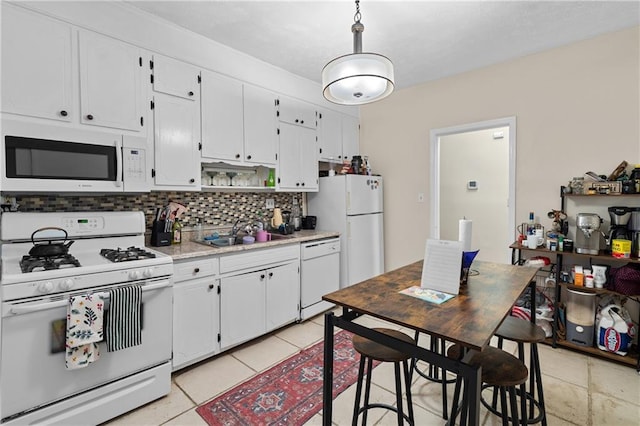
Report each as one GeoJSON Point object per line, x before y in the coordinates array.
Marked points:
{"type": "Point", "coordinates": [32, 367]}
{"type": "Point", "coordinates": [57, 159]}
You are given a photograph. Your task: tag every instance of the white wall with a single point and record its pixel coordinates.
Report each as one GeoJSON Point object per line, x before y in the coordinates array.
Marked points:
{"type": "Point", "coordinates": [577, 109]}
{"type": "Point", "coordinates": [476, 156]}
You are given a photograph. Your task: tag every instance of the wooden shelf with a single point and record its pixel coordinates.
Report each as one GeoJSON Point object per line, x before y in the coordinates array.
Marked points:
{"type": "Point", "coordinates": [601, 255]}
{"type": "Point", "coordinates": [631, 359]}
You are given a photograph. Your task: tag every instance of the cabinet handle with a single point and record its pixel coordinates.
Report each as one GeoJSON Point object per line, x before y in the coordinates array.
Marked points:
{"type": "Point", "coordinates": [63, 113]}
{"type": "Point", "coordinates": [211, 286]}
{"type": "Point", "coordinates": [270, 274]}
{"type": "Point", "coordinates": [302, 183]}
{"type": "Point", "coordinates": [297, 183]}
{"type": "Point", "coordinates": [190, 93]}
{"type": "Point", "coordinates": [237, 156]}
{"type": "Point", "coordinates": [297, 120]}
{"type": "Point", "coordinates": [89, 117]}
{"type": "Point", "coordinates": [262, 277]}
{"type": "Point", "coordinates": [196, 270]}
{"type": "Point", "coordinates": [301, 121]}
{"type": "Point", "coordinates": [248, 157]}
{"type": "Point", "coordinates": [192, 180]}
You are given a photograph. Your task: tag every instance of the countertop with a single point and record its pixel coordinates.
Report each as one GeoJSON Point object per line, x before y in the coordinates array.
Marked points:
{"type": "Point", "coordinates": [191, 249]}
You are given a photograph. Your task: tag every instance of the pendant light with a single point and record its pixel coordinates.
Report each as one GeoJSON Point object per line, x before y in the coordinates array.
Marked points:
{"type": "Point", "coordinates": [357, 78]}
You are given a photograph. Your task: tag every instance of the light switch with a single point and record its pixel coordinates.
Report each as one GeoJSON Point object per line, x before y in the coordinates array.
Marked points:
{"type": "Point", "coordinates": [270, 203]}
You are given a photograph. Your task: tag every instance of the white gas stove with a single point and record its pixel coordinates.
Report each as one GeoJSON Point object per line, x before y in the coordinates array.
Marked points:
{"type": "Point", "coordinates": [48, 258]}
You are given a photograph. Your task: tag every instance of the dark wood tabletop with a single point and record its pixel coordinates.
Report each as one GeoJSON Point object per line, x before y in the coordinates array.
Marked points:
{"type": "Point", "coordinates": [471, 318]}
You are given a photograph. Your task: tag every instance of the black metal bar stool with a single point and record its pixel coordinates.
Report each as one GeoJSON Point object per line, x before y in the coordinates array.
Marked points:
{"type": "Point", "coordinates": [369, 351]}
{"type": "Point", "coordinates": [522, 331]}
{"type": "Point", "coordinates": [501, 370]}
{"type": "Point", "coordinates": [435, 374]}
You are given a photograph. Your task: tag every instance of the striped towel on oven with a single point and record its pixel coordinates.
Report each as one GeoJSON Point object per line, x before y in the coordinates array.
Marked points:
{"type": "Point", "coordinates": [123, 326]}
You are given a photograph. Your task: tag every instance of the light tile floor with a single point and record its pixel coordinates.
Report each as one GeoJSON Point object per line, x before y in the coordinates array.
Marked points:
{"type": "Point", "coordinates": [579, 390]}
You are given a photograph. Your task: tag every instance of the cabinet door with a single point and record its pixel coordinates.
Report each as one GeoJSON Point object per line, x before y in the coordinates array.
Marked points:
{"type": "Point", "coordinates": [196, 320]}
{"type": "Point", "coordinates": [110, 82]}
{"type": "Point", "coordinates": [36, 65]}
{"type": "Point", "coordinates": [330, 136]}
{"type": "Point", "coordinates": [260, 137]}
{"type": "Point", "coordinates": [283, 295]}
{"type": "Point", "coordinates": [222, 123]}
{"type": "Point", "coordinates": [175, 78]}
{"type": "Point", "coordinates": [289, 171]}
{"type": "Point", "coordinates": [176, 136]}
{"type": "Point", "coordinates": [296, 112]}
{"type": "Point", "coordinates": [242, 308]}
{"type": "Point", "coordinates": [308, 159]}
{"type": "Point", "coordinates": [350, 137]}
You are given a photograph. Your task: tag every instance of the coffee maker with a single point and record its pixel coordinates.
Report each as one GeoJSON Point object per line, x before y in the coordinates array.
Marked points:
{"type": "Point", "coordinates": [634, 231]}
{"type": "Point", "coordinates": [618, 230]}
{"type": "Point", "coordinates": [588, 233]}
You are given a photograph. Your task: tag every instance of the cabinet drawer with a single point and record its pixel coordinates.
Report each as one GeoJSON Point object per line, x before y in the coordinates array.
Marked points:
{"type": "Point", "coordinates": [190, 269]}
{"type": "Point", "coordinates": [257, 258]}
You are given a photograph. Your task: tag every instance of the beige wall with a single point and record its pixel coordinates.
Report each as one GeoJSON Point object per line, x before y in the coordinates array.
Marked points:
{"type": "Point", "coordinates": [577, 109]}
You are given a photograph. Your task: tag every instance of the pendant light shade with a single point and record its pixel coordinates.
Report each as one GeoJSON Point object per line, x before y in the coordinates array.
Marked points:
{"type": "Point", "coordinates": [357, 78]}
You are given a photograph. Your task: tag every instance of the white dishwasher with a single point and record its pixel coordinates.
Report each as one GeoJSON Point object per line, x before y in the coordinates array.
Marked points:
{"type": "Point", "coordinates": [319, 275]}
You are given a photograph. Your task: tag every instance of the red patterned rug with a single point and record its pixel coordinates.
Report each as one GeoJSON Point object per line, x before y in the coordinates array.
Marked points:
{"type": "Point", "coordinates": [289, 393]}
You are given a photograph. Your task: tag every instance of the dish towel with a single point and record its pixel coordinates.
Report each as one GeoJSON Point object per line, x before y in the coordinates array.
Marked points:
{"type": "Point", "coordinates": [84, 330]}
{"type": "Point", "coordinates": [123, 327]}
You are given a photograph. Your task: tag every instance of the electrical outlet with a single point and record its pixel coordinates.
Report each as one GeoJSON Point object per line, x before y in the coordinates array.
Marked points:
{"type": "Point", "coordinates": [421, 197]}
{"type": "Point", "coordinates": [270, 203]}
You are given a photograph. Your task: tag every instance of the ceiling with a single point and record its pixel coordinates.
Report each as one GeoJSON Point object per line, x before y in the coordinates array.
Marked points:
{"type": "Point", "coordinates": [425, 40]}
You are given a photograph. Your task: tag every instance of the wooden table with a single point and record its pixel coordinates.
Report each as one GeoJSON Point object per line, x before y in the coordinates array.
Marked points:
{"type": "Point", "coordinates": [470, 319]}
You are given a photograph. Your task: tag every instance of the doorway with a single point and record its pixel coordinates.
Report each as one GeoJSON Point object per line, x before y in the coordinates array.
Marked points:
{"type": "Point", "coordinates": [473, 177]}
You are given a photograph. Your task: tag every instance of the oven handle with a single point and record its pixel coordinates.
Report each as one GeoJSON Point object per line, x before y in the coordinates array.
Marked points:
{"type": "Point", "coordinates": [19, 310]}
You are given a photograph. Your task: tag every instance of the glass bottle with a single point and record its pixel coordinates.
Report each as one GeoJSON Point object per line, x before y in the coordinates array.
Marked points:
{"type": "Point", "coordinates": [271, 179]}
{"type": "Point", "coordinates": [176, 232]}
{"type": "Point", "coordinates": [198, 231]}
{"type": "Point", "coordinates": [296, 217]}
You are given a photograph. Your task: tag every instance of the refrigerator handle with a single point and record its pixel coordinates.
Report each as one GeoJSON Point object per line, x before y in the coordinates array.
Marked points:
{"type": "Point", "coordinates": [348, 201]}
{"type": "Point", "coordinates": [348, 229]}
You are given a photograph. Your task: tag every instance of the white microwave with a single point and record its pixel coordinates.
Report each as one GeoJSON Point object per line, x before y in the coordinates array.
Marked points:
{"type": "Point", "coordinates": [45, 158]}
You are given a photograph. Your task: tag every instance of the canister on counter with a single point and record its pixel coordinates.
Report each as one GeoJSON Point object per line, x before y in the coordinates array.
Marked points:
{"type": "Point", "coordinates": [568, 245]}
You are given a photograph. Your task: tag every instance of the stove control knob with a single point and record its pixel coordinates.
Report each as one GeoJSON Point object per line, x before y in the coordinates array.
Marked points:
{"type": "Point", "coordinates": [134, 275]}
{"type": "Point", "coordinates": [66, 284]}
{"type": "Point", "coordinates": [46, 287]}
{"type": "Point", "coordinates": [148, 272]}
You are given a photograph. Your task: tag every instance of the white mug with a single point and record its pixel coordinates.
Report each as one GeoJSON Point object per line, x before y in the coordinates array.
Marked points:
{"type": "Point", "coordinates": [532, 241]}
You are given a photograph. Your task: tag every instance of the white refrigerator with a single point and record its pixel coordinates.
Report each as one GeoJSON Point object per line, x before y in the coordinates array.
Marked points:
{"type": "Point", "coordinates": [352, 205]}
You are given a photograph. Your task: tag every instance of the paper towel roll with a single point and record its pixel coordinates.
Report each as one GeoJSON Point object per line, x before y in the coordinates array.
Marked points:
{"type": "Point", "coordinates": [464, 234]}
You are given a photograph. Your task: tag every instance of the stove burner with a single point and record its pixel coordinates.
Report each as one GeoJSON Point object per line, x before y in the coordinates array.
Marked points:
{"type": "Point", "coordinates": [44, 263]}
{"type": "Point", "coordinates": [131, 253]}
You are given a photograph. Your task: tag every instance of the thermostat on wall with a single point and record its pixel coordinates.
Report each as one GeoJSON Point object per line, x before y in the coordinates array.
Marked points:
{"type": "Point", "coordinates": [472, 184]}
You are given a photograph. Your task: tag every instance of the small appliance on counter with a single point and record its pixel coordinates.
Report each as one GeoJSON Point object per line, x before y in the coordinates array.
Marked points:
{"type": "Point", "coordinates": [581, 314]}
{"type": "Point", "coordinates": [588, 233]}
{"type": "Point", "coordinates": [309, 222]}
{"type": "Point", "coordinates": [618, 230]}
{"type": "Point", "coordinates": [634, 231]}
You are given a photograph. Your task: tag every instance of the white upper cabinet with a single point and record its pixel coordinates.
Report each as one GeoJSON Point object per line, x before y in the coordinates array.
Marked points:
{"type": "Point", "coordinates": [296, 112]}
{"type": "Point", "coordinates": [238, 122]}
{"type": "Point", "coordinates": [176, 126]}
{"type": "Point", "coordinates": [175, 78]}
{"type": "Point", "coordinates": [330, 136]}
{"type": "Point", "coordinates": [260, 129]}
{"type": "Point", "coordinates": [298, 160]}
{"type": "Point", "coordinates": [36, 65]}
{"type": "Point", "coordinates": [350, 137]}
{"type": "Point", "coordinates": [111, 91]}
{"type": "Point", "coordinates": [222, 121]}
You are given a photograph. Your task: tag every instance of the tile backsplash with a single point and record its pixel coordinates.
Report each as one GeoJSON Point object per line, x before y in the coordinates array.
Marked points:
{"type": "Point", "coordinates": [213, 209]}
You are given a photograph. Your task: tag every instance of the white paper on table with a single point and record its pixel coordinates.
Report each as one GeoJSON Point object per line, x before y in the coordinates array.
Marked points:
{"type": "Point", "coordinates": [442, 265]}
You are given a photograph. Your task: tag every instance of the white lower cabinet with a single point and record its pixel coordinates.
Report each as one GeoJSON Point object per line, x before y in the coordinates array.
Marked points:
{"type": "Point", "coordinates": [196, 311]}
{"type": "Point", "coordinates": [261, 297]}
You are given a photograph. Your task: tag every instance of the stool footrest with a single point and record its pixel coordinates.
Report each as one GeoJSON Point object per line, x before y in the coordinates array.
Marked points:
{"type": "Point", "coordinates": [386, 407]}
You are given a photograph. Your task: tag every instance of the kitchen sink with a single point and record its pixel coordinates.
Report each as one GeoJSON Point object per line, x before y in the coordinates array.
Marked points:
{"type": "Point", "coordinates": [223, 240]}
